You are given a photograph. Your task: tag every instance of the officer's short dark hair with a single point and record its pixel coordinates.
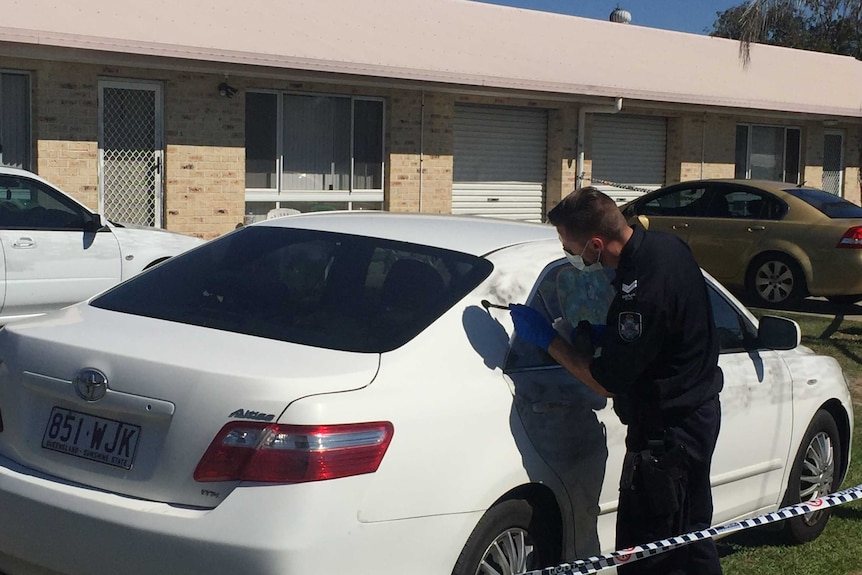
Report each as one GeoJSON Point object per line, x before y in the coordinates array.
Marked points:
{"type": "Point", "coordinates": [588, 212]}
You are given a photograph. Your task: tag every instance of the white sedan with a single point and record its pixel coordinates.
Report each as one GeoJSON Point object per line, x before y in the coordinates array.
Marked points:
{"type": "Point", "coordinates": [329, 392]}
{"type": "Point", "coordinates": [56, 252]}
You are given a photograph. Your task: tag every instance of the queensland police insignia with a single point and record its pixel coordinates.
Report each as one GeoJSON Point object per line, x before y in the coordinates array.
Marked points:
{"type": "Point", "coordinates": [630, 325]}
{"type": "Point", "coordinates": [629, 290]}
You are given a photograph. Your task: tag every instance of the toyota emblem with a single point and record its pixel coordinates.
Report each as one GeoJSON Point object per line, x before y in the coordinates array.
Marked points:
{"type": "Point", "coordinates": [90, 384]}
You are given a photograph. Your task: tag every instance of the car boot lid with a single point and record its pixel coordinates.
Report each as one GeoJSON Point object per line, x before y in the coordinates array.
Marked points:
{"type": "Point", "coordinates": [130, 404]}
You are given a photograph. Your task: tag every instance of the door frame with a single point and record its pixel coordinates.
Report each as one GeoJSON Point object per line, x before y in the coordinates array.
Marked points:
{"type": "Point", "coordinates": [158, 145]}
{"type": "Point", "coordinates": [840, 134]}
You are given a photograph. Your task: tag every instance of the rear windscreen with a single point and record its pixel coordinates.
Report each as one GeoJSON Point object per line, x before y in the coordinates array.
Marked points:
{"type": "Point", "coordinates": [330, 290]}
{"type": "Point", "coordinates": [831, 205]}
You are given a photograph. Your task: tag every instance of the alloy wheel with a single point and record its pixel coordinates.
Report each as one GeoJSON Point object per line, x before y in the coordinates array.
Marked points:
{"type": "Point", "coordinates": [818, 472]}
{"type": "Point", "coordinates": [774, 281]}
{"type": "Point", "coordinates": [510, 553]}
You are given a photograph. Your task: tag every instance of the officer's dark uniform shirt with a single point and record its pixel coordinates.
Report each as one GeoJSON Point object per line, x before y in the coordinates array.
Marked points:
{"type": "Point", "coordinates": [659, 350]}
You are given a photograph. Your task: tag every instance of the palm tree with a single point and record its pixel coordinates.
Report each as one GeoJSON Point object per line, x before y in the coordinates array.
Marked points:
{"type": "Point", "coordinates": [833, 25]}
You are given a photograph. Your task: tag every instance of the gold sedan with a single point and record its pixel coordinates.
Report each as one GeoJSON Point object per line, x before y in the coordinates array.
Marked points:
{"type": "Point", "coordinates": [777, 241]}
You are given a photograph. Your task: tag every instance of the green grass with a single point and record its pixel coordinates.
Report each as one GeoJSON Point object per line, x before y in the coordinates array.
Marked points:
{"type": "Point", "coordinates": [838, 551]}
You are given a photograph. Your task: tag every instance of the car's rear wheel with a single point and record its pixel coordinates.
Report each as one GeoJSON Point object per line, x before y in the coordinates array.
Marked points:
{"type": "Point", "coordinates": [776, 279]}
{"type": "Point", "coordinates": [815, 473]}
{"type": "Point", "coordinates": [507, 540]}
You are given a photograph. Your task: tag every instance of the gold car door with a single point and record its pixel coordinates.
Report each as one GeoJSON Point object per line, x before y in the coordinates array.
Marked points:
{"type": "Point", "coordinates": [730, 232]}
{"type": "Point", "coordinates": [674, 211]}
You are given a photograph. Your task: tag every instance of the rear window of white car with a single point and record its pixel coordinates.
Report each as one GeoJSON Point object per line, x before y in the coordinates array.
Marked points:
{"type": "Point", "coordinates": [323, 289]}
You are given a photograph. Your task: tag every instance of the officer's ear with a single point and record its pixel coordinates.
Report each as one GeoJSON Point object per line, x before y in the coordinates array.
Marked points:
{"type": "Point", "coordinates": [597, 243]}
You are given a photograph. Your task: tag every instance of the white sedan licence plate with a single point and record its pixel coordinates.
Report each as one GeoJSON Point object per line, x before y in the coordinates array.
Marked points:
{"type": "Point", "coordinates": [90, 437]}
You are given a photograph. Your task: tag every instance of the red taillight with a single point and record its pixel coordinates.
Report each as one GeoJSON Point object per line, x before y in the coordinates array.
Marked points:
{"type": "Point", "coordinates": [852, 238]}
{"type": "Point", "coordinates": [251, 451]}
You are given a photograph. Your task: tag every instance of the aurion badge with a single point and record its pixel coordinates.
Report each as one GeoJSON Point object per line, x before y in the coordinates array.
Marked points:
{"type": "Point", "coordinates": [90, 384]}
{"type": "Point", "coordinates": [630, 325]}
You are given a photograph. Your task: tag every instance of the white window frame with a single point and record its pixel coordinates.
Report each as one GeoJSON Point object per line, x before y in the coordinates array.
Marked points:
{"type": "Point", "coordinates": [352, 195]}
{"type": "Point", "coordinates": [751, 127]}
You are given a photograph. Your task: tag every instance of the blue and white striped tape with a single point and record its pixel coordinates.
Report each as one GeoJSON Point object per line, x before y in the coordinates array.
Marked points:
{"type": "Point", "coordinates": [625, 556]}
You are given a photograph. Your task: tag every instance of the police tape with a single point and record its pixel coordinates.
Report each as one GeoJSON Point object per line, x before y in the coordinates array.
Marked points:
{"type": "Point", "coordinates": [626, 556]}
{"type": "Point", "coordinates": [617, 185]}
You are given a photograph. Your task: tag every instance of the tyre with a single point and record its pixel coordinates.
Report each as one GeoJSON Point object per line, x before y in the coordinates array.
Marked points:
{"type": "Point", "coordinates": [776, 279]}
{"type": "Point", "coordinates": [507, 540]}
{"type": "Point", "coordinates": [814, 474]}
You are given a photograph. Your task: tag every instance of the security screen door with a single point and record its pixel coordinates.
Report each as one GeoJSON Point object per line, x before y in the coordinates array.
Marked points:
{"type": "Point", "coordinates": [131, 152]}
{"type": "Point", "coordinates": [833, 162]}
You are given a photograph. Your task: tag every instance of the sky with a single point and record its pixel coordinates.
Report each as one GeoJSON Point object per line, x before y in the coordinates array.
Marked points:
{"type": "Point", "coordinates": [694, 16]}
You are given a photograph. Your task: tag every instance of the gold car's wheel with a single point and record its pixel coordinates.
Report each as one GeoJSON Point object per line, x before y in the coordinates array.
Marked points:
{"type": "Point", "coordinates": [776, 279]}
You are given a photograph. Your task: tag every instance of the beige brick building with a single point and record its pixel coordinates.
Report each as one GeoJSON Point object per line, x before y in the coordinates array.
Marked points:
{"type": "Point", "coordinates": [199, 119]}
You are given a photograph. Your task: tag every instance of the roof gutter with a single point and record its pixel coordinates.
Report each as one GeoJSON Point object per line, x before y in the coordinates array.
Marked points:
{"type": "Point", "coordinates": [582, 130]}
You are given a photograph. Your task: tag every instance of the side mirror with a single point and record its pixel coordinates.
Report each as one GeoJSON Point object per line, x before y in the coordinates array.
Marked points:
{"type": "Point", "coordinates": [778, 332]}
{"type": "Point", "coordinates": [93, 223]}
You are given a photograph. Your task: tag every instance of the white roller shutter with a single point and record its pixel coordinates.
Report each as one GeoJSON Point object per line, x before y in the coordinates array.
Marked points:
{"type": "Point", "coordinates": [500, 159]}
{"type": "Point", "coordinates": [628, 150]}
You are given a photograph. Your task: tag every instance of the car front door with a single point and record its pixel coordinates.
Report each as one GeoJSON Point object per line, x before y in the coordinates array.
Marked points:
{"type": "Point", "coordinates": [55, 252]}
{"type": "Point", "coordinates": [756, 417]}
{"type": "Point", "coordinates": [676, 210]}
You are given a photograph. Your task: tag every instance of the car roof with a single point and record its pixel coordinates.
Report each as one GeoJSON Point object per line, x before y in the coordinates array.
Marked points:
{"type": "Point", "coordinates": [768, 185]}
{"type": "Point", "coordinates": [10, 171]}
{"type": "Point", "coordinates": [468, 234]}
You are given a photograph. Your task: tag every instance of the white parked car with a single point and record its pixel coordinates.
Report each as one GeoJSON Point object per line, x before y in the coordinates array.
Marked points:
{"type": "Point", "coordinates": [327, 392]}
{"type": "Point", "coordinates": [56, 252]}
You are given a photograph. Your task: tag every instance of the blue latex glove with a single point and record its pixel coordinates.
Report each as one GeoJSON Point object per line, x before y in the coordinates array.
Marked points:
{"type": "Point", "coordinates": [531, 325]}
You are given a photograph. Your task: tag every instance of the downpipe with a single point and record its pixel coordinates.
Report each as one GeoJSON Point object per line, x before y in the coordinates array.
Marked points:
{"type": "Point", "coordinates": [582, 130]}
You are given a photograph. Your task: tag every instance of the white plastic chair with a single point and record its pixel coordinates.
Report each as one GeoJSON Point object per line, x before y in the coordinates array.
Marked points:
{"type": "Point", "coordinates": [279, 212]}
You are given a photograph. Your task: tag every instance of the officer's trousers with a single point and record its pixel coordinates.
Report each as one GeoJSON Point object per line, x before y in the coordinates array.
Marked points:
{"type": "Point", "coordinates": [646, 509]}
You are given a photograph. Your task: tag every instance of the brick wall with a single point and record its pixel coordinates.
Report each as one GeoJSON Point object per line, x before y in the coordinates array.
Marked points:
{"type": "Point", "coordinates": [65, 128]}
{"type": "Point", "coordinates": [701, 146]}
{"type": "Point", "coordinates": [204, 134]}
{"type": "Point", "coordinates": [562, 153]}
{"type": "Point", "coordinates": [853, 161]}
{"type": "Point", "coordinates": [205, 156]}
{"type": "Point", "coordinates": [204, 180]}
{"type": "Point", "coordinates": [419, 171]}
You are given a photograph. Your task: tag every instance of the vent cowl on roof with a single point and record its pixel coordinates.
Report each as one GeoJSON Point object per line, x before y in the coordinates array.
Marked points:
{"type": "Point", "coordinates": [621, 16]}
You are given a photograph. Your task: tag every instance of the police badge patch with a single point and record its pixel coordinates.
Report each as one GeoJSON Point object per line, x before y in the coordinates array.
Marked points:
{"type": "Point", "coordinates": [630, 326]}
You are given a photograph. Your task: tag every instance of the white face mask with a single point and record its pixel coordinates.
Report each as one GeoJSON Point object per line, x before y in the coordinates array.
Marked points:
{"type": "Point", "coordinates": [578, 263]}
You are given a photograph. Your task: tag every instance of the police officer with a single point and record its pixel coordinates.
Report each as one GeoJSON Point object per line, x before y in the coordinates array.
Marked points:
{"type": "Point", "coordinates": [659, 361]}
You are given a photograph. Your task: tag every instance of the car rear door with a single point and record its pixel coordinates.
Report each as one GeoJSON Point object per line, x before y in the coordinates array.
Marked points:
{"type": "Point", "coordinates": [737, 221]}
{"type": "Point", "coordinates": [574, 429]}
{"type": "Point", "coordinates": [51, 261]}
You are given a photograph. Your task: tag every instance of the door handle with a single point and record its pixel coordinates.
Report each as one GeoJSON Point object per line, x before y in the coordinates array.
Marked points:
{"type": "Point", "coordinates": [24, 243]}
{"type": "Point", "coordinates": [679, 226]}
{"type": "Point", "coordinates": [756, 228]}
